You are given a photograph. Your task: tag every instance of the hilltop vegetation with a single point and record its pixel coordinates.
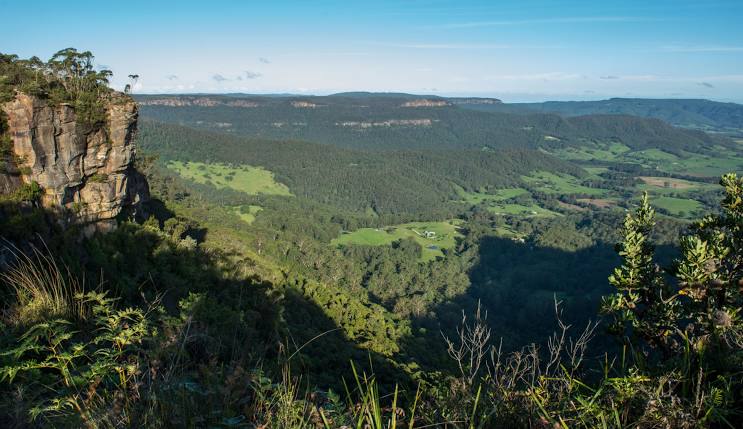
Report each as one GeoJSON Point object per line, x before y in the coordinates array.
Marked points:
{"type": "Point", "coordinates": [67, 77]}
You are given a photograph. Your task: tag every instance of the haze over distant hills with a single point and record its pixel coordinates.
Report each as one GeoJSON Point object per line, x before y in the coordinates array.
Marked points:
{"type": "Point", "coordinates": [691, 113]}
{"type": "Point", "coordinates": [391, 121]}
{"type": "Point", "coordinates": [688, 113]}
{"type": "Point", "coordinates": [405, 153]}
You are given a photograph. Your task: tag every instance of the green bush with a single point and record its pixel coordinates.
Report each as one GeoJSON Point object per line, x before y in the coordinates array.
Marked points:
{"type": "Point", "coordinates": [27, 192]}
{"type": "Point", "coordinates": [6, 145]}
{"type": "Point", "coordinates": [98, 178]}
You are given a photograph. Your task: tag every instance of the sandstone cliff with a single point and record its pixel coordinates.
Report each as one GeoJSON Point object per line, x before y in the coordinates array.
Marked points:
{"type": "Point", "coordinates": [426, 103]}
{"type": "Point", "coordinates": [86, 172]}
{"type": "Point", "coordinates": [180, 101]}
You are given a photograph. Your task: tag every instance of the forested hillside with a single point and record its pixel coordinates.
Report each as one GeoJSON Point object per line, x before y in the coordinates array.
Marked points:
{"type": "Point", "coordinates": [392, 182]}
{"type": "Point", "coordinates": [411, 123]}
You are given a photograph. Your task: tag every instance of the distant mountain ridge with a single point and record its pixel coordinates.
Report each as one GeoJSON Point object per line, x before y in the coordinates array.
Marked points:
{"type": "Point", "coordinates": [389, 121]}
{"type": "Point", "coordinates": [688, 113]}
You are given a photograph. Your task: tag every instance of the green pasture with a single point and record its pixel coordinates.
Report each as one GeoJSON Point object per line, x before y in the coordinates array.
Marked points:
{"type": "Point", "coordinates": [247, 213]}
{"type": "Point", "coordinates": [551, 183]}
{"type": "Point", "coordinates": [445, 236]}
{"type": "Point", "coordinates": [677, 206]}
{"type": "Point", "coordinates": [475, 198]}
{"type": "Point", "coordinates": [244, 178]}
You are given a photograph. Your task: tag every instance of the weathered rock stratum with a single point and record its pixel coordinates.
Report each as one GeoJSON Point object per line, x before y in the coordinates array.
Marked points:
{"type": "Point", "coordinates": [87, 172]}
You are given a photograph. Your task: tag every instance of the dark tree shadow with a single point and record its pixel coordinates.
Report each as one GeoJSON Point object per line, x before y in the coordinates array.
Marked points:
{"type": "Point", "coordinates": [517, 284]}
{"type": "Point", "coordinates": [234, 318]}
{"type": "Point", "coordinates": [326, 353]}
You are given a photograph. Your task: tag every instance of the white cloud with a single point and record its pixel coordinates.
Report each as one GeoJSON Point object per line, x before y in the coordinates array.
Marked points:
{"type": "Point", "coordinates": [446, 45]}
{"type": "Point", "coordinates": [343, 54]}
{"type": "Point", "coordinates": [701, 48]}
{"type": "Point", "coordinates": [641, 78]}
{"type": "Point", "coordinates": [459, 46]}
{"type": "Point", "coordinates": [564, 20]}
{"type": "Point", "coordinates": [536, 77]}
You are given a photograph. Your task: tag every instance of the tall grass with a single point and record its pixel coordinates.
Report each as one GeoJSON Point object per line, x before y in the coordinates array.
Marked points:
{"type": "Point", "coordinates": [43, 289]}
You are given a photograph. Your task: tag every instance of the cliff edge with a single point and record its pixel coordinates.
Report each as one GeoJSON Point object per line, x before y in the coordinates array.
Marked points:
{"type": "Point", "coordinates": [85, 172]}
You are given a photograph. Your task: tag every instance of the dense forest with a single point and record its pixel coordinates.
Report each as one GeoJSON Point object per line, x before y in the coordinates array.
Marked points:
{"type": "Point", "coordinates": [385, 123]}
{"type": "Point", "coordinates": [393, 182]}
{"type": "Point", "coordinates": [470, 273]}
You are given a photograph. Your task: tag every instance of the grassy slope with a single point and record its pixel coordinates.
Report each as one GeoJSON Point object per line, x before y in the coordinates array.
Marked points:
{"type": "Point", "coordinates": [496, 202]}
{"type": "Point", "coordinates": [498, 195]}
{"type": "Point", "coordinates": [550, 183]}
{"type": "Point", "coordinates": [666, 193]}
{"type": "Point", "coordinates": [668, 185]}
{"type": "Point", "coordinates": [446, 234]}
{"type": "Point", "coordinates": [705, 165]}
{"type": "Point", "coordinates": [245, 178]}
{"type": "Point", "coordinates": [605, 152]}
{"type": "Point", "coordinates": [677, 206]}
{"type": "Point", "coordinates": [520, 210]}
{"type": "Point", "coordinates": [248, 213]}
{"type": "Point", "coordinates": [708, 165]}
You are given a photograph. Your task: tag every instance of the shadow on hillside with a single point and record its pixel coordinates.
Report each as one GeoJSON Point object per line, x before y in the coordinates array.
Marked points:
{"type": "Point", "coordinates": [517, 284]}
{"type": "Point", "coordinates": [326, 353]}
{"type": "Point", "coordinates": [234, 319]}
{"type": "Point", "coordinates": [158, 209]}
{"type": "Point", "coordinates": [245, 319]}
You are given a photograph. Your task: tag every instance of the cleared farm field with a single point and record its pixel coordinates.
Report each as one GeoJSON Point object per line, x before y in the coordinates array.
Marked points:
{"type": "Point", "coordinates": [244, 178]}
{"type": "Point", "coordinates": [432, 236]}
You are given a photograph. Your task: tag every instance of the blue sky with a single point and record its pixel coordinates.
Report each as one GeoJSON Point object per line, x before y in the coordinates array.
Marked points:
{"type": "Point", "coordinates": [520, 50]}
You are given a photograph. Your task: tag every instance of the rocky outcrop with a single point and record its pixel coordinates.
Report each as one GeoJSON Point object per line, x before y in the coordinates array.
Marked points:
{"type": "Point", "coordinates": [389, 123]}
{"type": "Point", "coordinates": [86, 172]}
{"type": "Point", "coordinates": [180, 102]}
{"type": "Point", "coordinates": [426, 103]}
{"type": "Point", "coordinates": [475, 100]}
{"type": "Point", "coordinates": [304, 105]}
{"type": "Point", "coordinates": [195, 101]}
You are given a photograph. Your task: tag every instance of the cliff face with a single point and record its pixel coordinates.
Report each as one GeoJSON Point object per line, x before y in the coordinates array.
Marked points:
{"type": "Point", "coordinates": [426, 103]}
{"type": "Point", "coordinates": [196, 101]}
{"type": "Point", "coordinates": [86, 170]}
